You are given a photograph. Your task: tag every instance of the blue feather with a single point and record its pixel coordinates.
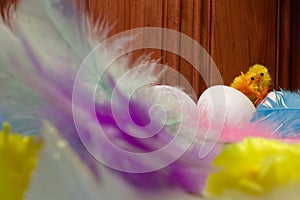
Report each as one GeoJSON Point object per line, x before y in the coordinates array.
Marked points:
{"type": "Point", "coordinates": [282, 113]}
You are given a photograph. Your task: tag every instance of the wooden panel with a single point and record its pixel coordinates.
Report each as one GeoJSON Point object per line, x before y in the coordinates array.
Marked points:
{"type": "Point", "coordinates": [112, 12]}
{"type": "Point", "coordinates": [295, 39]}
{"type": "Point", "coordinates": [137, 14]}
{"type": "Point", "coordinates": [243, 33]}
{"type": "Point", "coordinates": [283, 44]}
{"type": "Point", "coordinates": [195, 24]}
{"type": "Point", "coordinates": [171, 20]}
{"type": "Point", "coordinates": [190, 17]}
{"type": "Point", "coordinates": [202, 27]}
{"type": "Point", "coordinates": [237, 33]}
{"type": "Point", "coordinates": [5, 7]}
{"type": "Point", "coordinates": [186, 27]}
{"type": "Point", "coordinates": [288, 75]}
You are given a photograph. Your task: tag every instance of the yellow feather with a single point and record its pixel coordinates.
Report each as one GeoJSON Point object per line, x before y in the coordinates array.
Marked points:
{"type": "Point", "coordinates": [256, 168]}
{"type": "Point", "coordinates": [18, 157]}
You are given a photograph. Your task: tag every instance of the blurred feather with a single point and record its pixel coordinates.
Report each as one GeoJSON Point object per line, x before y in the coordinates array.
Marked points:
{"type": "Point", "coordinates": [18, 158]}
{"type": "Point", "coordinates": [40, 67]}
{"type": "Point", "coordinates": [60, 174]}
{"type": "Point", "coordinates": [281, 114]}
{"type": "Point", "coordinates": [12, 87]}
{"type": "Point", "coordinates": [263, 169]}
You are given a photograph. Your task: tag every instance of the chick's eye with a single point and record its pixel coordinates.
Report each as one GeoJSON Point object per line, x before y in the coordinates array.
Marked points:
{"type": "Point", "coordinates": [252, 78]}
{"type": "Point", "coordinates": [261, 74]}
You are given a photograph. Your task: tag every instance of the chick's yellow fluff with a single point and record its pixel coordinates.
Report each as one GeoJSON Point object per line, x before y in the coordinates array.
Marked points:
{"type": "Point", "coordinates": [253, 82]}
{"type": "Point", "coordinates": [256, 169]}
{"type": "Point", "coordinates": [18, 157]}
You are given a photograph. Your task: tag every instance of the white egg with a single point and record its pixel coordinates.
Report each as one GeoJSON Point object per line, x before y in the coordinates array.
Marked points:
{"type": "Point", "coordinates": [222, 104]}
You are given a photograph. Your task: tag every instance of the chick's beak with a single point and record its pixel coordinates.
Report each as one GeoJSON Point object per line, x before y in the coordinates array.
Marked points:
{"type": "Point", "coordinates": [258, 77]}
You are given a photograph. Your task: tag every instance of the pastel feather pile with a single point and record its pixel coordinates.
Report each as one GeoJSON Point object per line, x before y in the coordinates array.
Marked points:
{"type": "Point", "coordinates": [39, 69]}
{"type": "Point", "coordinates": [45, 75]}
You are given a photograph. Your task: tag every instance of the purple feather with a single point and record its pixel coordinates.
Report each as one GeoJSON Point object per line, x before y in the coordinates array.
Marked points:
{"type": "Point", "coordinates": [115, 143]}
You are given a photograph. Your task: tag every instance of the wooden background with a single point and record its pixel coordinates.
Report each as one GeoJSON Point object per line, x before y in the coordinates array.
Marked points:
{"type": "Point", "coordinates": [236, 33]}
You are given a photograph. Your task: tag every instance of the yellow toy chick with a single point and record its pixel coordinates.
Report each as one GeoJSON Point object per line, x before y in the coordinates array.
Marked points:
{"type": "Point", "coordinates": [255, 83]}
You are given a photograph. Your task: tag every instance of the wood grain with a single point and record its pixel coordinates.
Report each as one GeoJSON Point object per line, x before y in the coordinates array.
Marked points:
{"type": "Point", "coordinates": [171, 20]}
{"type": "Point", "coordinates": [295, 51]}
{"type": "Point", "coordinates": [237, 34]}
{"type": "Point", "coordinates": [186, 27]}
{"type": "Point", "coordinates": [283, 44]}
{"type": "Point", "coordinates": [244, 33]}
{"type": "Point", "coordinates": [195, 24]}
